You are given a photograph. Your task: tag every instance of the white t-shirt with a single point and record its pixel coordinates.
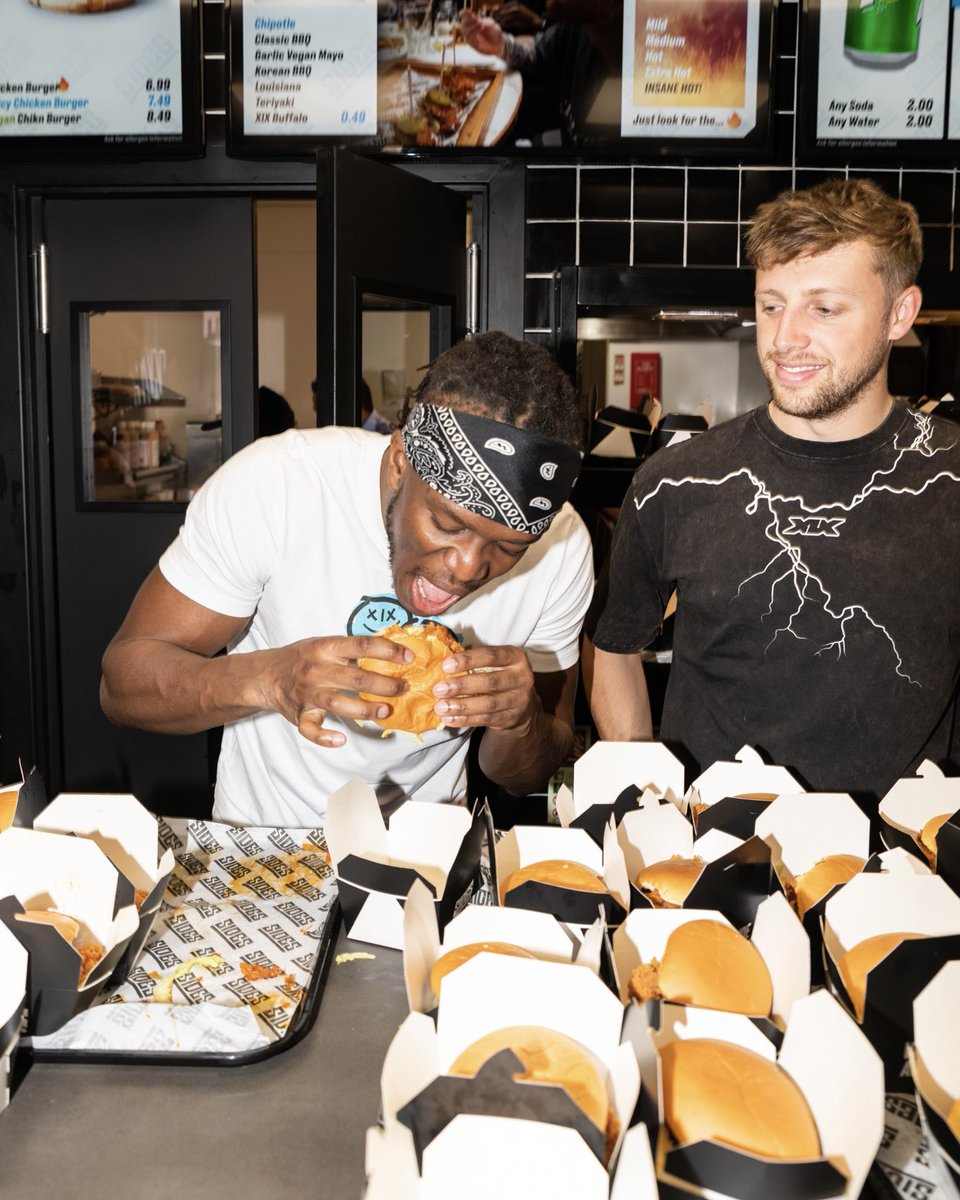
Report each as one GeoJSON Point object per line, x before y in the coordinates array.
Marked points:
{"type": "Point", "coordinates": [289, 532]}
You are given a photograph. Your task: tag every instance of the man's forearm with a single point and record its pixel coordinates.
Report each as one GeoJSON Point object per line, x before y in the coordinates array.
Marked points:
{"type": "Point", "coordinates": [525, 764]}
{"type": "Point", "coordinates": [161, 687]}
{"type": "Point", "coordinates": [619, 701]}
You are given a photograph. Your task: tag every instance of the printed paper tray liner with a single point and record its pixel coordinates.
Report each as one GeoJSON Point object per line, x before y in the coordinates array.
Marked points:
{"type": "Point", "coordinates": [235, 955]}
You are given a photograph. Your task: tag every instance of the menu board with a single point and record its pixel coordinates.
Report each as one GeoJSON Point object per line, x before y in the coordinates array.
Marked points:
{"type": "Point", "coordinates": [119, 73]}
{"type": "Point", "coordinates": [302, 69]}
{"type": "Point", "coordinates": [691, 69]}
{"type": "Point", "coordinates": [883, 77]}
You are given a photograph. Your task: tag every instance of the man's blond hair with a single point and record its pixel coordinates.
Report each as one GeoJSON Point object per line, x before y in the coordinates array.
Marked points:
{"type": "Point", "coordinates": [831, 214]}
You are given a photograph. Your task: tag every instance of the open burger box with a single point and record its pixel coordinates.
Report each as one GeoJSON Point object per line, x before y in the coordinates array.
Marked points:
{"type": "Point", "coordinates": [911, 803]}
{"type": "Point", "coordinates": [836, 1069]}
{"type": "Point", "coordinates": [128, 835]}
{"type": "Point", "coordinates": [736, 875]}
{"type": "Point", "coordinates": [13, 1003]}
{"type": "Point", "coordinates": [20, 802]}
{"type": "Point", "coordinates": [71, 875]}
{"type": "Point", "coordinates": [439, 844]}
{"type": "Point", "coordinates": [802, 829]}
{"type": "Point", "coordinates": [875, 903]}
{"type": "Point", "coordinates": [610, 778]}
{"type": "Point", "coordinates": [524, 845]}
{"type": "Point", "coordinates": [729, 796]}
{"type": "Point", "coordinates": [777, 935]}
{"type": "Point", "coordinates": [446, 1135]}
{"type": "Point", "coordinates": [540, 934]}
{"type": "Point", "coordinates": [934, 1058]}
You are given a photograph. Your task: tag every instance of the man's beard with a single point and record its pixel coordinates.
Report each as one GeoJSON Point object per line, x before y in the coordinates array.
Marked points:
{"type": "Point", "coordinates": [388, 520]}
{"type": "Point", "coordinates": [830, 399]}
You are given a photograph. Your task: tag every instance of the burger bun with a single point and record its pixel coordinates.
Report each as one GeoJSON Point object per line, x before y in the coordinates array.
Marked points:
{"type": "Point", "coordinates": [413, 710]}
{"type": "Point", "coordinates": [666, 884]}
{"type": "Point", "coordinates": [460, 954]}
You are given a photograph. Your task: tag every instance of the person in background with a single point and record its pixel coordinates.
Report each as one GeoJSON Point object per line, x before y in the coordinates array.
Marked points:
{"type": "Point", "coordinates": [809, 542]}
{"type": "Point", "coordinates": [301, 548]}
{"type": "Point", "coordinates": [514, 17]}
{"type": "Point", "coordinates": [570, 70]}
{"type": "Point", "coordinates": [369, 417]}
{"type": "Point", "coordinates": [274, 413]}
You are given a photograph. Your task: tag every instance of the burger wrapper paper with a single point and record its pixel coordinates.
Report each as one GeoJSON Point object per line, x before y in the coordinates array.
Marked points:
{"type": "Point", "coordinates": [231, 949]}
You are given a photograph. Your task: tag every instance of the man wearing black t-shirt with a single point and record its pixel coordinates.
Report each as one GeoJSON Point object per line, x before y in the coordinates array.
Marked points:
{"type": "Point", "coordinates": [812, 543]}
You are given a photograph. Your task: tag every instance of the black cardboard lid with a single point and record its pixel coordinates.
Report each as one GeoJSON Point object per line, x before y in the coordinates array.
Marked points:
{"type": "Point", "coordinates": [566, 904]}
{"type": "Point", "coordinates": [748, 1177]}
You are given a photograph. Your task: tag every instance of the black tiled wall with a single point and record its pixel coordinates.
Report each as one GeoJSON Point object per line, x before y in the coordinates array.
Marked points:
{"type": "Point", "coordinates": [643, 214]}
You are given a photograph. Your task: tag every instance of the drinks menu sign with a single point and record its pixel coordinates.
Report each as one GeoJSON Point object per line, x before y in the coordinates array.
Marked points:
{"type": "Point", "coordinates": [691, 69]}
{"type": "Point", "coordinates": [886, 76]}
{"type": "Point", "coordinates": [117, 72]}
{"type": "Point", "coordinates": [302, 69]}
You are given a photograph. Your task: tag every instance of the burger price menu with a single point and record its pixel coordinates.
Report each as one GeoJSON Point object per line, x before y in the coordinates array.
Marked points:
{"type": "Point", "coordinates": [114, 73]}
{"type": "Point", "coordinates": [882, 72]}
{"type": "Point", "coordinates": [690, 70]}
{"type": "Point", "coordinates": [309, 67]}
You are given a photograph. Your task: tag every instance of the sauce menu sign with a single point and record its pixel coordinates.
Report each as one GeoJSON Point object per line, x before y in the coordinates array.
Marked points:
{"type": "Point", "coordinates": [118, 73]}
{"type": "Point", "coordinates": [692, 69]}
{"type": "Point", "coordinates": [302, 69]}
{"type": "Point", "coordinates": [886, 77]}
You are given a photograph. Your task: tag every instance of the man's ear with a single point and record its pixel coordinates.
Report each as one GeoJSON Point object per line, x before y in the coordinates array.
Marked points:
{"type": "Point", "coordinates": [396, 460]}
{"type": "Point", "coordinates": [905, 310]}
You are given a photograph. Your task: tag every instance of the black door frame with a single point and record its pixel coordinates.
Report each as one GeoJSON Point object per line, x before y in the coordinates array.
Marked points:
{"type": "Point", "coordinates": [30, 720]}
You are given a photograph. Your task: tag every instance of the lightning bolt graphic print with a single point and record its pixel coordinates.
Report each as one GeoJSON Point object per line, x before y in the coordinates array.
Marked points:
{"type": "Point", "coordinates": [793, 586]}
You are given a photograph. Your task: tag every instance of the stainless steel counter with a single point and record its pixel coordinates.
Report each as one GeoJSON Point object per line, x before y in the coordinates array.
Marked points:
{"type": "Point", "coordinates": [293, 1125]}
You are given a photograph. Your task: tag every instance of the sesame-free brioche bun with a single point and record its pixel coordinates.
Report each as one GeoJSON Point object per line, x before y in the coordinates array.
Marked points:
{"type": "Point", "coordinates": [460, 954]}
{"type": "Point", "coordinates": [8, 808]}
{"type": "Point", "coordinates": [710, 965]}
{"type": "Point", "coordinates": [547, 1057]}
{"type": "Point", "coordinates": [81, 6]}
{"type": "Point", "coordinates": [67, 927]}
{"type": "Point", "coordinates": [556, 871]}
{"type": "Point", "coordinates": [953, 1119]}
{"type": "Point", "coordinates": [862, 958]}
{"type": "Point", "coordinates": [928, 835]}
{"type": "Point", "coordinates": [725, 1093]}
{"type": "Point", "coordinates": [666, 884]}
{"type": "Point", "coordinates": [811, 886]}
{"type": "Point", "coordinates": [412, 711]}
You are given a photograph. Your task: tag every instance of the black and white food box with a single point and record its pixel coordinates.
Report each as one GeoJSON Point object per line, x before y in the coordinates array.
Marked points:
{"type": "Point", "coordinates": [610, 779]}
{"type": "Point", "coordinates": [524, 845]}
{"type": "Point", "coordinates": [911, 803]}
{"type": "Point", "coordinates": [538, 933]}
{"type": "Point", "coordinates": [778, 937]}
{"type": "Point", "coordinates": [376, 865]}
{"type": "Point", "coordinates": [728, 796]}
{"type": "Point", "coordinates": [13, 1003]}
{"type": "Point", "coordinates": [934, 1058]}
{"type": "Point", "coordinates": [896, 902]}
{"type": "Point", "coordinates": [448, 1135]}
{"type": "Point", "coordinates": [840, 1076]}
{"type": "Point", "coordinates": [20, 802]}
{"type": "Point", "coordinates": [73, 876]}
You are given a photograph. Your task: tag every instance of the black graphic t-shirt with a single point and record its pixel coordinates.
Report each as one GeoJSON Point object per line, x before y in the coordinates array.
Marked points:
{"type": "Point", "coordinates": [818, 595]}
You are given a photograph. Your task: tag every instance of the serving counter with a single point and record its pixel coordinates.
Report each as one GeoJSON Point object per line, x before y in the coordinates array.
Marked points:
{"type": "Point", "coordinates": [293, 1125]}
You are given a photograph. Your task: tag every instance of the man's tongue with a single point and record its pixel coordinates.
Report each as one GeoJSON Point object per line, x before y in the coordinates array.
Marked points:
{"type": "Point", "coordinates": [430, 599]}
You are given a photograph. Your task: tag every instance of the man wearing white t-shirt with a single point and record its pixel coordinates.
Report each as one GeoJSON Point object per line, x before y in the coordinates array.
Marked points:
{"type": "Point", "coordinates": [302, 547]}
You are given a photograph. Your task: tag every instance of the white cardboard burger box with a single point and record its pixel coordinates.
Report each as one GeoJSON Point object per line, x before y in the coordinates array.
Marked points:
{"type": "Point", "coordinates": [934, 1058]}
{"type": "Point", "coordinates": [524, 845]}
{"type": "Point", "coordinates": [737, 875]}
{"type": "Point", "coordinates": [128, 835]}
{"type": "Point", "coordinates": [892, 902]}
{"type": "Point", "coordinates": [539, 933]}
{"type": "Point", "coordinates": [13, 1003]}
{"type": "Point", "coordinates": [778, 936]}
{"type": "Point", "coordinates": [721, 789]}
{"type": "Point", "coordinates": [611, 778]}
{"type": "Point", "coordinates": [841, 1078]}
{"type": "Point", "coordinates": [20, 802]}
{"type": "Point", "coordinates": [911, 803]}
{"type": "Point", "coordinates": [376, 866]}
{"type": "Point", "coordinates": [451, 1126]}
{"type": "Point", "coordinates": [70, 875]}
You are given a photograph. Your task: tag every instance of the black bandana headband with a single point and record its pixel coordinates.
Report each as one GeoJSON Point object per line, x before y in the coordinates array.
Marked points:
{"type": "Point", "coordinates": [509, 475]}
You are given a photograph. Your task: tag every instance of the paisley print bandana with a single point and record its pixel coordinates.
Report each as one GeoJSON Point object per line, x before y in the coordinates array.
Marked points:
{"type": "Point", "coordinates": [509, 475]}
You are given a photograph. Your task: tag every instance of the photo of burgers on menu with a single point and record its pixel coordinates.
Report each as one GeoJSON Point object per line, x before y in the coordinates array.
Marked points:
{"type": "Point", "coordinates": [81, 6]}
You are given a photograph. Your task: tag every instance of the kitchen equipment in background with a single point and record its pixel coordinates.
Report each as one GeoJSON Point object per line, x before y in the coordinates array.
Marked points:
{"type": "Point", "coordinates": [204, 450]}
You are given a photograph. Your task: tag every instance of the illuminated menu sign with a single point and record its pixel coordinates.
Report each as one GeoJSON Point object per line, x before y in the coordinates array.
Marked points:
{"type": "Point", "coordinates": [119, 73]}
{"type": "Point", "coordinates": [303, 69]}
{"type": "Point", "coordinates": [690, 70]}
{"type": "Point", "coordinates": [885, 76]}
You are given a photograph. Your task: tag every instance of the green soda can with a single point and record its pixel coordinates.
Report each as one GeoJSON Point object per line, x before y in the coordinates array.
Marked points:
{"type": "Point", "coordinates": [882, 33]}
